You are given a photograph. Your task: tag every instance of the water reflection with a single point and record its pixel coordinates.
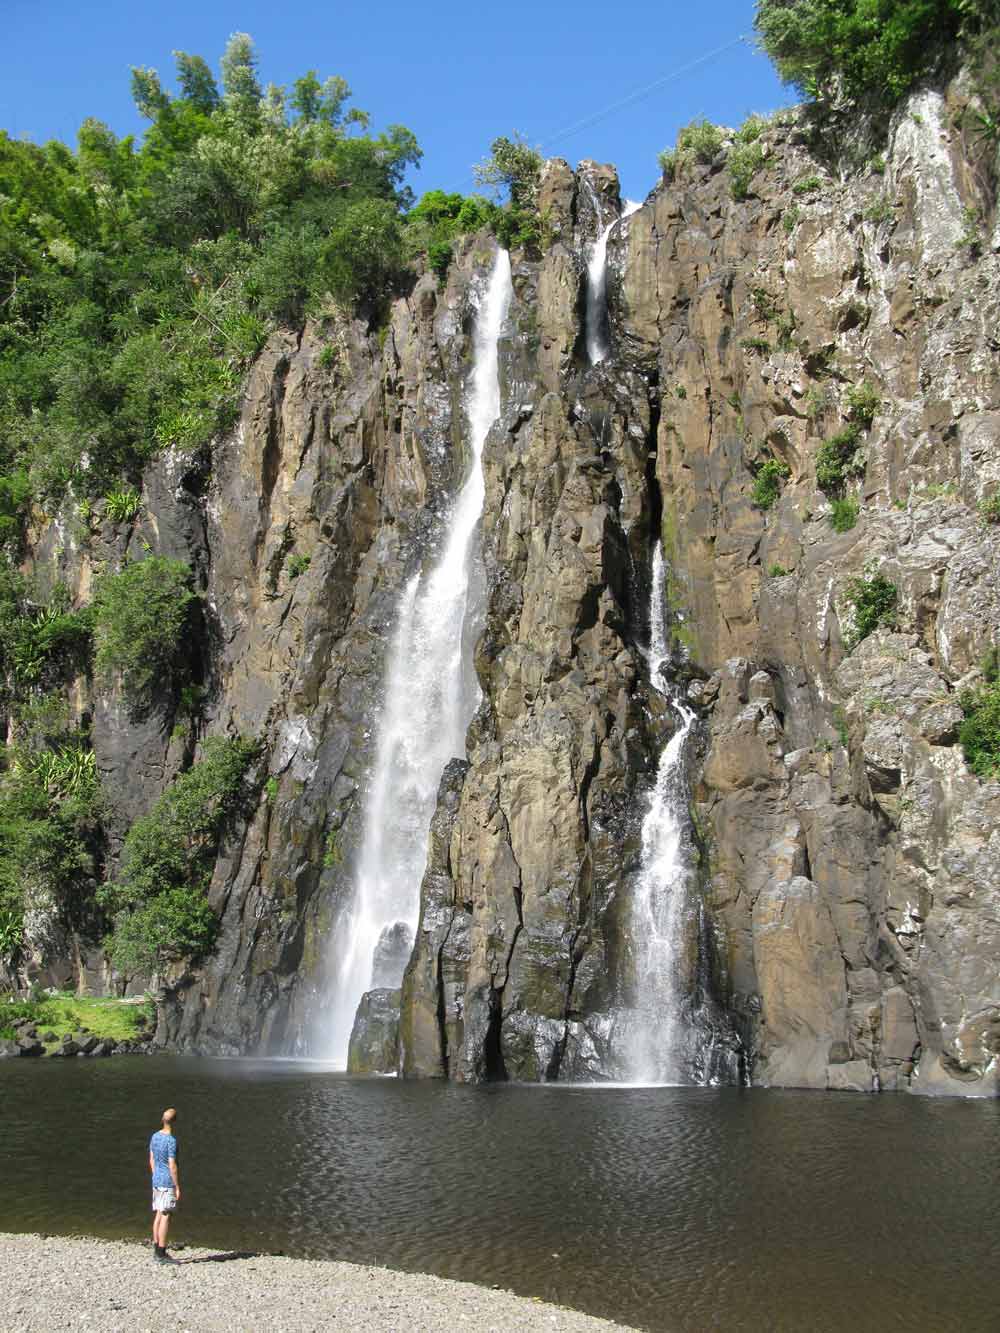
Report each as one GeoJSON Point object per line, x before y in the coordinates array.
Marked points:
{"type": "Point", "coordinates": [671, 1208]}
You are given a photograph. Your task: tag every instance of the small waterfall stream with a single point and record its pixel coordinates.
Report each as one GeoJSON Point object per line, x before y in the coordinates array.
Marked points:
{"type": "Point", "coordinates": [596, 317]}
{"type": "Point", "coordinates": [655, 1042]}
{"type": "Point", "coordinates": [431, 693]}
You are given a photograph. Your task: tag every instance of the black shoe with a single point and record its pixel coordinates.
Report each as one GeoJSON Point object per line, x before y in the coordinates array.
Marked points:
{"type": "Point", "coordinates": [164, 1258]}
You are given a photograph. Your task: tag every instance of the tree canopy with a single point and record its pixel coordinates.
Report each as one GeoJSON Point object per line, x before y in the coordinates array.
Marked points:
{"type": "Point", "coordinates": [137, 282]}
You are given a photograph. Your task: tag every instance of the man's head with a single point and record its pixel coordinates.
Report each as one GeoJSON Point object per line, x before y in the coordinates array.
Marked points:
{"type": "Point", "coordinates": [169, 1116]}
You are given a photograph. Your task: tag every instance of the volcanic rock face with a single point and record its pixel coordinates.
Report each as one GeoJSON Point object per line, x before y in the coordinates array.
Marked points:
{"type": "Point", "coordinates": [852, 856]}
{"type": "Point", "coordinates": [848, 927]}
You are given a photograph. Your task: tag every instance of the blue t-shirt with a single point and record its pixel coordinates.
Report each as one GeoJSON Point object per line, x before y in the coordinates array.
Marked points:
{"type": "Point", "coordinates": [163, 1147]}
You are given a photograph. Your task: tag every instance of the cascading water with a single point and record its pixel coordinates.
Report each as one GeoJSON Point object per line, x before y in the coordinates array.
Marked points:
{"type": "Point", "coordinates": [655, 1041]}
{"type": "Point", "coordinates": [596, 318]}
{"type": "Point", "coordinates": [431, 694]}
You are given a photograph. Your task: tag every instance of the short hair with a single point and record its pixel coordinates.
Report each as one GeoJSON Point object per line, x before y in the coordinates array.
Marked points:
{"type": "Point", "coordinates": [169, 1116]}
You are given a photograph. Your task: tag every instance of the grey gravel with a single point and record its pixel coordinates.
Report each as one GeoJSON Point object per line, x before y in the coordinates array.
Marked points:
{"type": "Point", "coordinates": [50, 1283]}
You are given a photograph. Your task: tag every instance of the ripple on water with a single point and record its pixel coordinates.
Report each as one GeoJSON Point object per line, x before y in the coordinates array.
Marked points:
{"type": "Point", "coordinates": [670, 1208]}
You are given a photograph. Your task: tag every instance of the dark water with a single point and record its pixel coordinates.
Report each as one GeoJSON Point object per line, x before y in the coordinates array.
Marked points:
{"type": "Point", "coordinates": [668, 1208]}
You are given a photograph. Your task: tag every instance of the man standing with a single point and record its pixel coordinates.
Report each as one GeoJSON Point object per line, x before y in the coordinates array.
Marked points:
{"type": "Point", "coordinates": [166, 1183]}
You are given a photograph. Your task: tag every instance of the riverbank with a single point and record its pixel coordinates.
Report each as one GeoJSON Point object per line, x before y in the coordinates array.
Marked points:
{"type": "Point", "coordinates": [55, 1283]}
{"type": "Point", "coordinates": [63, 1024]}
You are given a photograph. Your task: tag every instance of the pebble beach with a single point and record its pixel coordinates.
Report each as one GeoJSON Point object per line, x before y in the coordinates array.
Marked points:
{"type": "Point", "coordinates": [51, 1283]}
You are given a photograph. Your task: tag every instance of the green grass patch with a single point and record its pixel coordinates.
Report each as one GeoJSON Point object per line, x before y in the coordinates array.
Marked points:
{"type": "Point", "coordinates": [66, 1014]}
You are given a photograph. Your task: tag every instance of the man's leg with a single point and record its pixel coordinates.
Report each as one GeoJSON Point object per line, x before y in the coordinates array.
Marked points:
{"type": "Point", "coordinates": [164, 1227]}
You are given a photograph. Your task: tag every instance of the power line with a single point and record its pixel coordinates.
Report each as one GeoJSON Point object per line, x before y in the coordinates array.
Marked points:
{"type": "Point", "coordinates": [640, 93]}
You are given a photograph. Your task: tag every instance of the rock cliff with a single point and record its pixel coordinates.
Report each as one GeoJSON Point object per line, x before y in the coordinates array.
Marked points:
{"type": "Point", "coordinates": [846, 931]}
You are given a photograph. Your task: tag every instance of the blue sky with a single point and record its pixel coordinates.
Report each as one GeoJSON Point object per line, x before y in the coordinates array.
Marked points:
{"type": "Point", "coordinates": [456, 74]}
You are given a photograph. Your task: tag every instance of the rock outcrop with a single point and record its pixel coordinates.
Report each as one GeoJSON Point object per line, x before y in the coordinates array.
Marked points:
{"type": "Point", "coordinates": [846, 934]}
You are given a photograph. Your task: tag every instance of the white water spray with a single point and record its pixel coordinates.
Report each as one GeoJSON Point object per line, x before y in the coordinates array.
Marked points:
{"type": "Point", "coordinates": [654, 1051]}
{"type": "Point", "coordinates": [596, 321]}
{"type": "Point", "coordinates": [431, 694]}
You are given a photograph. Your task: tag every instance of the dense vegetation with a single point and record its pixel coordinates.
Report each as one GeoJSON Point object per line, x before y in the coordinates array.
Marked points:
{"type": "Point", "coordinates": [50, 832]}
{"type": "Point", "coordinates": [158, 903]}
{"type": "Point", "coordinates": [139, 617]}
{"type": "Point", "coordinates": [872, 50]}
{"type": "Point", "coordinates": [137, 282]}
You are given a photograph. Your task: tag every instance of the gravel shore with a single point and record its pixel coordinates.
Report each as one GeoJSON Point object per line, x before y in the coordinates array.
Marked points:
{"type": "Point", "coordinates": [51, 1283]}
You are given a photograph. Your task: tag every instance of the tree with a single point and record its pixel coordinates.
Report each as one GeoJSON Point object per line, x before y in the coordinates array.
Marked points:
{"type": "Point", "coordinates": [315, 101]}
{"type": "Point", "coordinates": [363, 252]}
{"type": "Point", "coordinates": [239, 77]}
{"type": "Point", "coordinates": [514, 165]}
{"type": "Point", "coordinates": [147, 94]}
{"type": "Point", "coordinates": [196, 82]}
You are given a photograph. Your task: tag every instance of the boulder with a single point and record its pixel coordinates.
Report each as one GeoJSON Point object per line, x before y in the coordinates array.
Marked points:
{"type": "Point", "coordinates": [392, 953]}
{"type": "Point", "coordinates": [374, 1045]}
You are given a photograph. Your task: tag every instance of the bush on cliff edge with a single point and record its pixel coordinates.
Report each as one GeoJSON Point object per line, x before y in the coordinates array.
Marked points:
{"type": "Point", "coordinates": [875, 50]}
{"type": "Point", "coordinates": [159, 901]}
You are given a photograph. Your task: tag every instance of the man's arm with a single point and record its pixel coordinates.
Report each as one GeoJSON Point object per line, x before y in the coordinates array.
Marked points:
{"type": "Point", "coordinates": [152, 1164]}
{"type": "Point", "coordinates": [172, 1163]}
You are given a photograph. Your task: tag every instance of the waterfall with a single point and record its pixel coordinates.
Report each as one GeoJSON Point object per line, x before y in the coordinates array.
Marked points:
{"type": "Point", "coordinates": [655, 1044]}
{"type": "Point", "coordinates": [596, 319]}
{"type": "Point", "coordinates": [431, 693]}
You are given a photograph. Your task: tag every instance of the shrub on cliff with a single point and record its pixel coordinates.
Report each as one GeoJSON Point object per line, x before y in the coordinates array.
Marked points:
{"type": "Point", "coordinates": [439, 219]}
{"type": "Point", "coordinates": [872, 600]}
{"type": "Point", "coordinates": [40, 641]}
{"type": "Point", "coordinates": [515, 166]}
{"type": "Point", "coordinates": [979, 733]}
{"type": "Point", "coordinates": [158, 903]}
{"type": "Point", "coordinates": [139, 619]}
{"type": "Point", "coordinates": [701, 141]}
{"type": "Point", "coordinates": [840, 457]}
{"type": "Point", "coordinates": [50, 808]}
{"type": "Point", "coordinates": [767, 483]}
{"type": "Point", "coordinates": [874, 50]}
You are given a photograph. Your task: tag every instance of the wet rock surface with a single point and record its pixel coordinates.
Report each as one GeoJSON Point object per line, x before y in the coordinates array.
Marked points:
{"type": "Point", "coordinates": [374, 1044]}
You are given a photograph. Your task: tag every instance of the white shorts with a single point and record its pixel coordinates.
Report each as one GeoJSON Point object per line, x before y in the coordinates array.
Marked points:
{"type": "Point", "coordinates": [164, 1201]}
